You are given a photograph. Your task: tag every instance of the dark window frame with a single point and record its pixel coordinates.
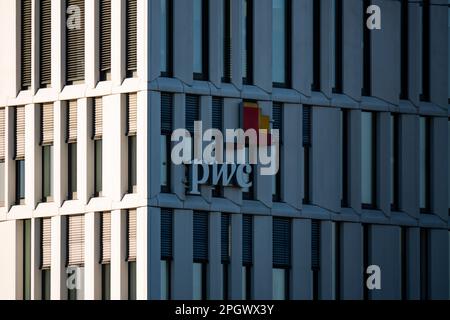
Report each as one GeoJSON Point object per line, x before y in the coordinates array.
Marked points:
{"type": "Point", "coordinates": [395, 205]}
{"type": "Point", "coordinates": [338, 58]}
{"type": "Point", "coordinates": [345, 203]}
{"type": "Point", "coordinates": [204, 75]}
{"type": "Point", "coordinates": [72, 165]}
{"type": "Point", "coordinates": [367, 53]}
{"type": "Point", "coordinates": [20, 179]}
{"type": "Point", "coordinates": [404, 49]}
{"type": "Point", "coordinates": [288, 49]}
{"type": "Point", "coordinates": [247, 78]}
{"type": "Point", "coordinates": [169, 41]}
{"type": "Point", "coordinates": [428, 177]}
{"type": "Point", "coordinates": [374, 171]}
{"type": "Point", "coordinates": [426, 30]}
{"type": "Point", "coordinates": [317, 20]}
{"type": "Point", "coordinates": [227, 41]}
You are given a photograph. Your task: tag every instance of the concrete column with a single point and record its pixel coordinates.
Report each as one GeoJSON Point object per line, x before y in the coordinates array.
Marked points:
{"type": "Point", "coordinates": [10, 164]}
{"type": "Point", "coordinates": [301, 260]}
{"type": "Point", "coordinates": [182, 272]}
{"type": "Point", "coordinates": [36, 278]}
{"type": "Point", "coordinates": [118, 37]}
{"type": "Point", "coordinates": [60, 153]}
{"type": "Point", "coordinates": [59, 255]}
{"type": "Point", "coordinates": [178, 172]}
{"type": "Point", "coordinates": [92, 41]}
{"type": "Point", "coordinates": [32, 156]}
{"type": "Point", "coordinates": [355, 159]}
{"type": "Point", "coordinates": [327, 261]}
{"type": "Point", "coordinates": [183, 30]}
{"type": "Point", "coordinates": [149, 39]}
{"type": "Point", "coordinates": [215, 23]}
{"type": "Point", "coordinates": [92, 267]}
{"type": "Point", "coordinates": [215, 274]}
{"type": "Point", "coordinates": [438, 265]}
{"type": "Point", "coordinates": [8, 274]}
{"type": "Point", "coordinates": [352, 271]}
{"type": "Point", "coordinates": [262, 27]}
{"type": "Point", "coordinates": [413, 263]}
{"type": "Point", "coordinates": [58, 49]}
{"type": "Point", "coordinates": [415, 52]}
{"type": "Point", "coordinates": [236, 42]}
{"type": "Point", "coordinates": [84, 158]}
{"type": "Point", "coordinates": [119, 266]}
{"type": "Point", "coordinates": [384, 162]}
{"type": "Point", "coordinates": [236, 258]}
{"type": "Point", "coordinates": [263, 184]}
{"type": "Point", "coordinates": [439, 167]}
{"type": "Point", "coordinates": [262, 258]}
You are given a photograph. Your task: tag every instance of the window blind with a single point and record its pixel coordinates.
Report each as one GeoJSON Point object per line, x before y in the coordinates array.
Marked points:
{"type": "Point", "coordinates": [72, 122]}
{"type": "Point", "coordinates": [132, 114]}
{"type": "Point", "coordinates": [131, 226]}
{"type": "Point", "coordinates": [106, 238]}
{"type": "Point", "coordinates": [98, 118]}
{"type": "Point", "coordinates": [166, 113]}
{"type": "Point", "coordinates": [2, 134]}
{"type": "Point", "coordinates": [20, 133]}
{"type": "Point", "coordinates": [75, 241]}
{"type": "Point", "coordinates": [315, 244]}
{"type": "Point", "coordinates": [192, 112]}
{"type": "Point", "coordinates": [26, 27]}
{"type": "Point", "coordinates": [227, 53]}
{"type": "Point", "coordinates": [217, 113]}
{"type": "Point", "coordinates": [131, 32]}
{"type": "Point", "coordinates": [47, 124]}
{"type": "Point", "coordinates": [281, 242]}
{"type": "Point", "coordinates": [225, 237]}
{"type": "Point", "coordinates": [307, 117]}
{"type": "Point", "coordinates": [45, 47]}
{"type": "Point", "coordinates": [247, 240]}
{"type": "Point", "coordinates": [46, 243]}
{"type": "Point", "coordinates": [166, 234]}
{"type": "Point", "coordinates": [200, 229]}
{"type": "Point", "coordinates": [105, 35]}
{"type": "Point", "coordinates": [75, 43]}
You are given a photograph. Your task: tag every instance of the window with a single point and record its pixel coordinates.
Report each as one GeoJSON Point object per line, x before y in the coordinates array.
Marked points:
{"type": "Point", "coordinates": [98, 146]}
{"type": "Point", "coordinates": [26, 259]}
{"type": "Point", "coordinates": [247, 256]}
{"type": "Point", "coordinates": [132, 254]}
{"type": "Point", "coordinates": [46, 256]}
{"type": "Point", "coordinates": [337, 265]}
{"type": "Point", "coordinates": [47, 151]}
{"type": "Point", "coordinates": [166, 253]}
{"type": "Point", "coordinates": [424, 264]}
{"type": "Point", "coordinates": [26, 48]}
{"type": "Point", "coordinates": [225, 235]}
{"type": "Point", "coordinates": [315, 257]}
{"type": "Point", "coordinates": [316, 45]}
{"type": "Point", "coordinates": [404, 262]}
{"type": "Point", "coordinates": [277, 118]}
{"type": "Point", "coordinates": [217, 123]}
{"type": "Point", "coordinates": [281, 247]}
{"type": "Point", "coordinates": [192, 115]}
{"type": "Point", "coordinates": [2, 156]}
{"type": "Point", "coordinates": [19, 119]}
{"type": "Point", "coordinates": [132, 142]}
{"type": "Point", "coordinates": [368, 159]}
{"type": "Point", "coordinates": [72, 128]}
{"type": "Point", "coordinates": [425, 96]}
{"type": "Point", "coordinates": [366, 256]}
{"type": "Point", "coordinates": [45, 43]}
{"type": "Point", "coordinates": [395, 161]}
{"type": "Point", "coordinates": [448, 162]}
{"type": "Point", "coordinates": [281, 42]}
{"type": "Point", "coordinates": [404, 49]}
{"type": "Point", "coordinates": [201, 34]}
{"type": "Point", "coordinates": [425, 158]}
{"type": "Point", "coordinates": [367, 53]}
{"type": "Point", "coordinates": [105, 40]}
{"type": "Point", "coordinates": [345, 136]}
{"type": "Point", "coordinates": [75, 255]}
{"type": "Point", "coordinates": [227, 42]}
{"type": "Point", "coordinates": [166, 37]}
{"type": "Point", "coordinates": [166, 133]}
{"type": "Point", "coordinates": [200, 237]}
{"type": "Point", "coordinates": [105, 232]}
{"type": "Point", "coordinates": [307, 145]}
{"type": "Point", "coordinates": [247, 42]}
{"type": "Point", "coordinates": [75, 41]}
{"type": "Point", "coordinates": [336, 46]}
{"type": "Point", "coordinates": [131, 36]}
{"type": "Point", "coordinates": [448, 10]}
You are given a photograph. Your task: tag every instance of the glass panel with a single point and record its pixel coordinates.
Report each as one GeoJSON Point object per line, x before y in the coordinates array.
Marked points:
{"type": "Point", "coordinates": [27, 259]}
{"type": "Point", "coordinates": [20, 179]}
{"type": "Point", "coordinates": [279, 284]}
{"type": "Point", "coordinates": [47, 174]}
{"type": "Point", "coordinates": [132, 165]}
{"type": "Point", "coordinates": [164, 164]}
{"type": "Point", "coordinates": [244, 283]}
{"type": "Point", "coordinates": [165, 280]}
{"type": "Point", "coordinates": [392, 158]}
{"type": "Point", "coordinates": [423, 170]}
{"type": "Point", "coordinates": [106, 282]}
{"type": "Point", "coordinates": [2, 183]}
{"type": "Point", "coordinates": [198, 36]}
{"type": "Point", "coordinates": [98, 167]}
{"type": "Point", "coordinates": [132, 281]}
{"type": "Point", "coordinates": [448, 161]}
{"type": "Point", "coordinates": [279, 41]}
{"type": "Point", "coordinates": [448, 10]}
{"type": "Point", "coordinates": [72, 170]}
{"type": "Point", "coordinates": [164, 35]}
{"type": "Point", "coordinates": [46, 276]}
{"type": "Point", "coordinates": [366, 157]}
{"type": "Point", "coordinates": [333, 43]}
{"type": "Point", "coordinates": [197, 282]}
{"type": "Point", "coordinates": [244, 39]}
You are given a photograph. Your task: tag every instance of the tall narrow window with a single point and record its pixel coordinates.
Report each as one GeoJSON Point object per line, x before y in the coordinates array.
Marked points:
{"type": "Point", "coordinates": [247, 42]}
{"type": "Point", "coordinates": [47, 151]}
{"type": "Point", "coordinates": [367, 53]}
{"type": "Point", "coordinates": [132, 141]}
{"type": "Point", "coordinates": [192, 115]}
{"type": "Point", "coordinates": [368, 159]}
{"type": "Point", "coordinates": [315, 256]}
{"type": "Point", "coordinates": [336, 47]}
{"type": "Point", "coordinates": [345, 123]}
{"type": "Point", "coordinates": [19, 117]}
{"type": "Point", "coordinates": [217, 123]}
{"type": "Point", "coordinates": [46, 257]}
{"type": "Point", "coordinates": [166, 253]}
{"type": "Point", "coordinates": [395, 161]}
{"type": "Point", "coordinates": [166, 37]}
{"type": "Point", "coordinates": [225, 235]}
{"type": "Point", "coordinates": [227, 43]}
{"type": "Point", "coordinates": [277, 118]}
{"type": "Point", "coordinates": [281, 247]}
{"type": "Point", "coordinates": [425, 158]}
{"type": "Point", "coordinates": [201, 34]}
{"type": "Point", "coordinates": [27, 259]}
{"type": "Point", "coordinates": [75, 254]}
{"type": "Point", "coordinates": [425, 95]}
{"type": "Point", "coordinates": [75, 41]}
{"type": "Point", "coordinates": [98, 146]}
{"type": "Point", "coordinates": [45, 44]}
{"type": "Point", "coordinates": [366, 255]}
{"type": "Point", "coordinates": [200, 237]}
{"type": "Point", "coordinates": [448, 165]}
{"type": "Point", "coordinates": [404, 262]}
{"type": "Point", "coordinates": [105, 40]}
{"type": "Point", "coordinates": [72, 128]}
{"type": "Point", "coordinates": [247, 256]}
{"type": "Point", "coordinates": [26, 49]}
{"type": "Point", "coordinates": [424, 264]}
{"type": "Point", "coordinates": [131, 37]}
{"type": "Point", "coordinates": [317, 30]}
{"type": "Point", "coordinates": [166, 133]}
{"type": "Point", "coordinates": [281, 42]}
{"type": "Point", "coordinates": [2, 157]}
{"type": "Point", "coordinates": [106, 254]}
{"type": "Point", "coordinates": [404, 48]}
{"type": "Point", "coordinates": [307, 145]}
{"type": "Point", "coordinates": [132, 254]}
{"type": "Point", "coordinates": [338, 259]}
